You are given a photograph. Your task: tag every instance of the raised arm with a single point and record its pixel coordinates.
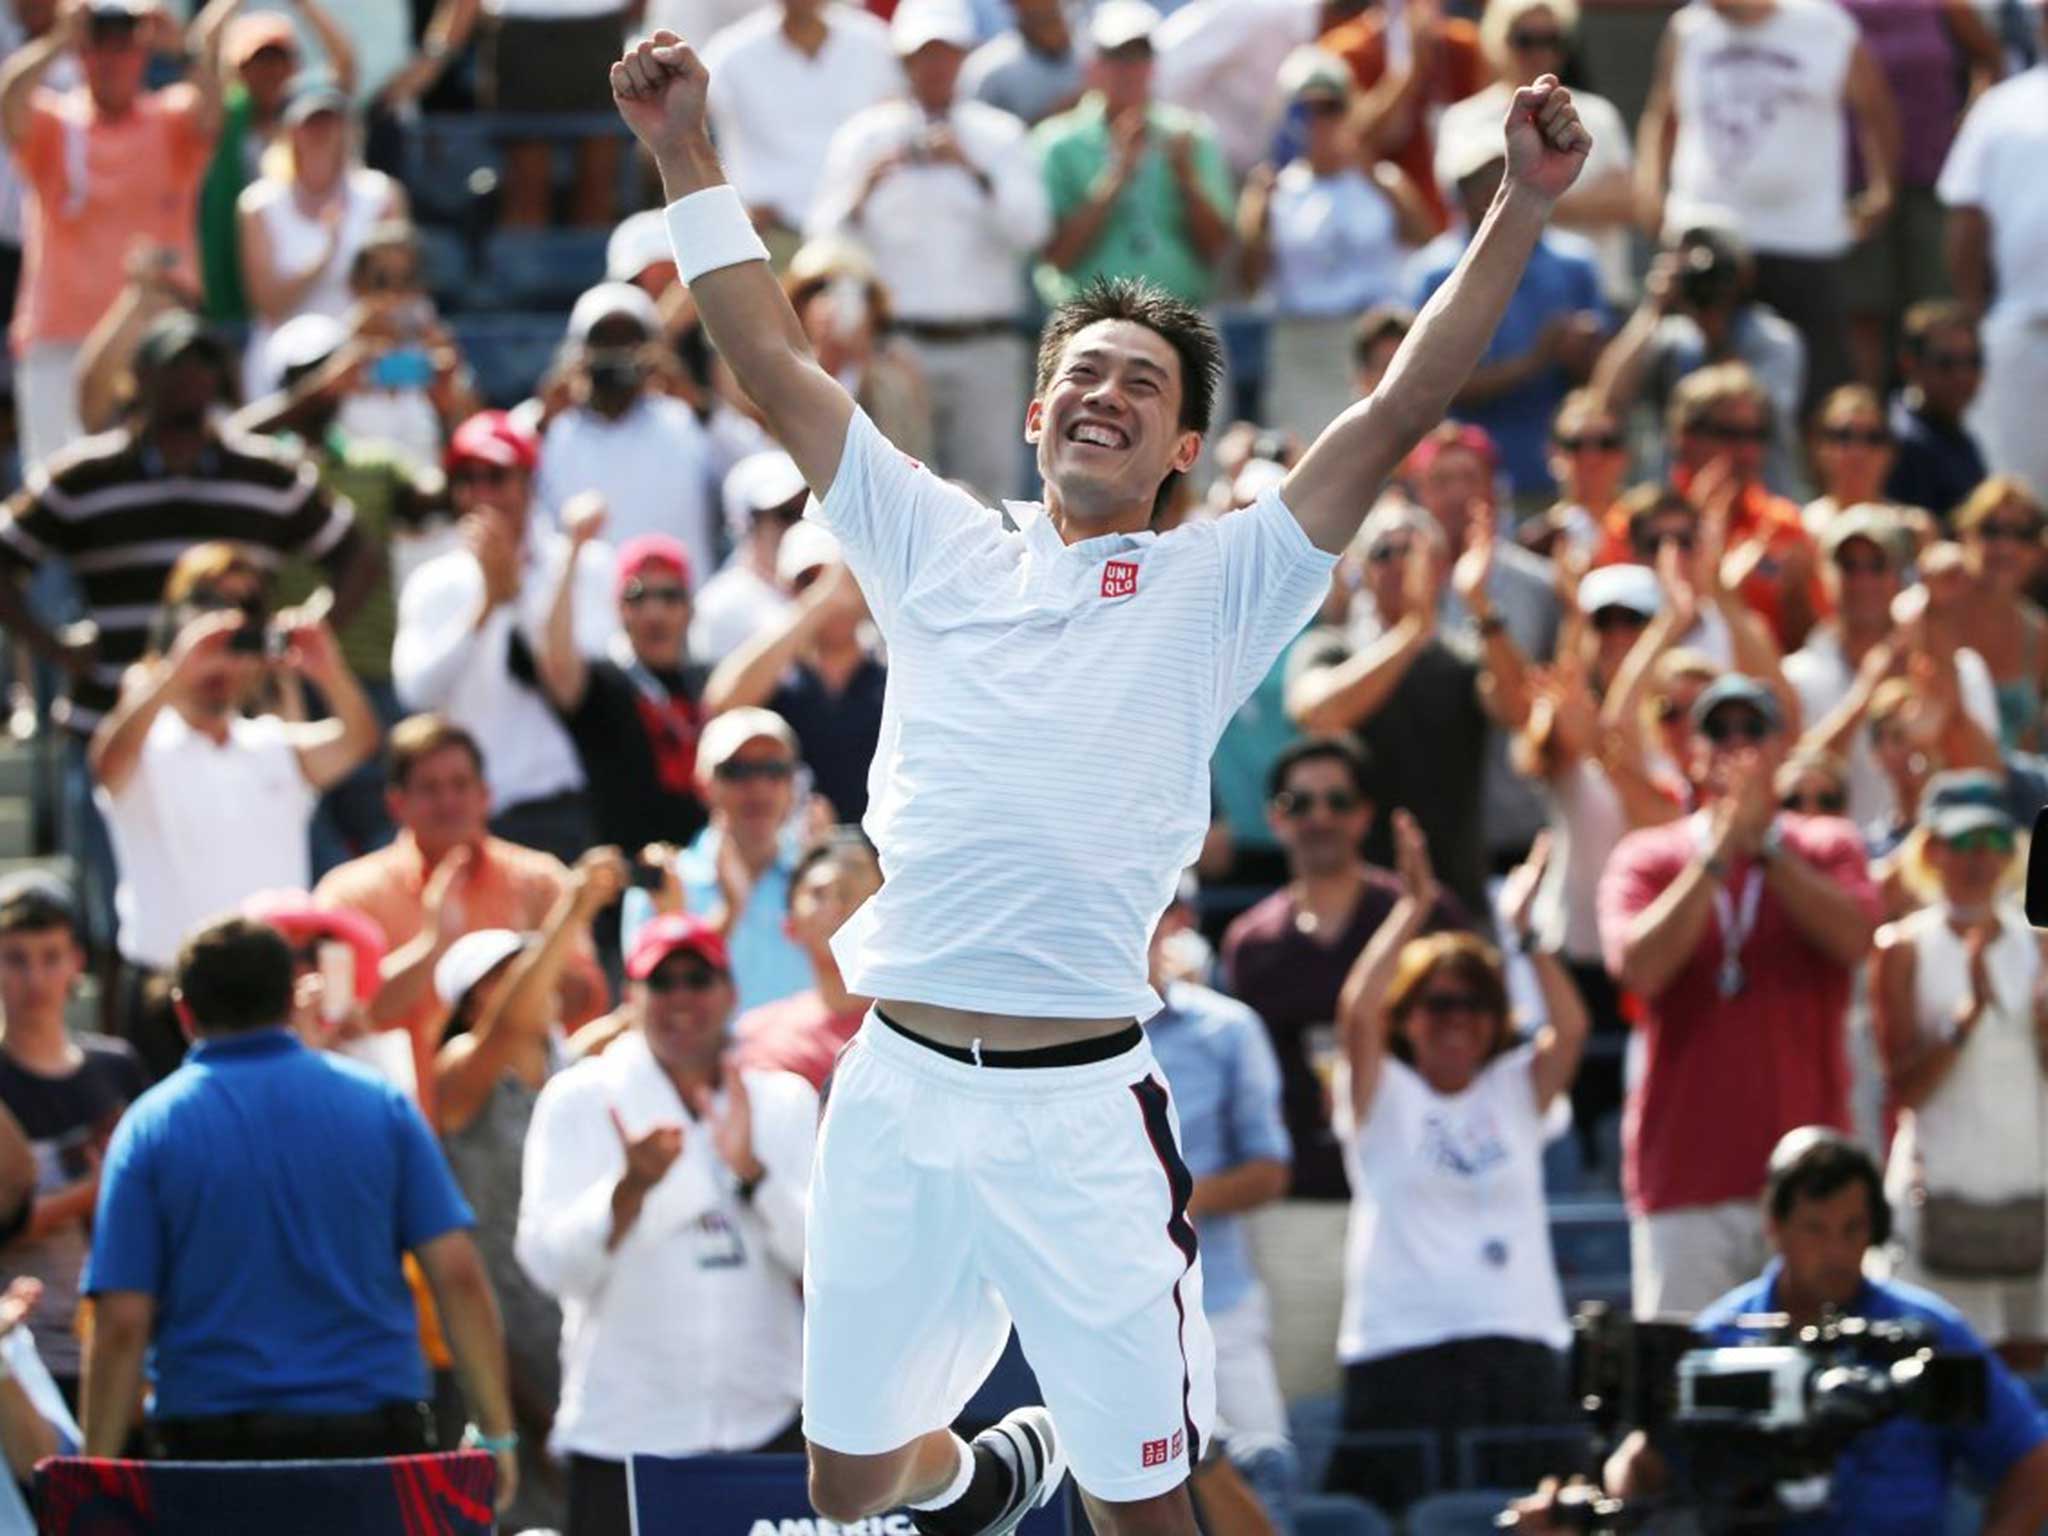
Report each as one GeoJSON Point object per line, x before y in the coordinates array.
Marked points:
{"type": "Point", "coordinates": [1334, 485]}
{"type": "Point", "coordinates": [564, 674]}
{"type": "Point", "coordinates": [660, 87]}
{"type": "Point", "coordinates": [26, 66]}
{"type": "Point", "coordinates": [1362, 1022]}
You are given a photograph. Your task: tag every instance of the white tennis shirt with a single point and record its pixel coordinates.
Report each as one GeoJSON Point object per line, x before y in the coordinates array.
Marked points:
{"type": "Point", "coordinates": [1043, 772]}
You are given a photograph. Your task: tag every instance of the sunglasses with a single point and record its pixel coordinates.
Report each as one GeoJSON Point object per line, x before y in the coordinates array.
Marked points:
{"type": "Point", "coordinates": [391, 281]}
{"type": "Point", "coordinates": [1749, 728]}
{"type": "Point", "coordinates": [1857, 437]}
{"type": "Point", "coordinates": [482, 474]}
{"type": "Point", "coordinates": [689, 978]}
{"type": "Point", "coordinates": [1324, 106]}
{"type": "Point", "coordinates": [1530, 40]}
{"type": "Point", "coordinates": [2011, 533]}
{"type": "Point", "coordinates": [1384, 554]}
{"type": "Point", "coordinates": [669, 597]}
{"type": "Point", "coordinates": [1862, 565]}
{"type": "Point", "coordinates": [1617, 617]}
{"type": "Point", "coordinates": [1983, 840]}
{"type": "Point", "coordinates": [1591, 442]}
{"type": "Point", "coordinates": [1443, 1005]}
{"type": "Point", "coordinates": [1956, 362]}
{"type": "Point", "coordinates": [1724, 432]}
{"type": "Point", "coordinates": [1295, 803]}
{"type": "Point", "coordinates": [1649, 543]}
{"type": "Point", "coordinates": [748, 773]}
{"type": "Point", "coordinates": [1827, 803]}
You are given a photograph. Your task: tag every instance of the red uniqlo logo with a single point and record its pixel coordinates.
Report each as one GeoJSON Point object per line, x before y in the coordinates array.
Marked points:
{"type": "Point", "coordinates": [1119, 579]}
{"type": "Point", "coordinates": [1155, 1453]}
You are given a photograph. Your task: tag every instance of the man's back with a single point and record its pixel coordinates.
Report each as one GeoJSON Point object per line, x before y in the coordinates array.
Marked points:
{"type": "Point", "coordinates": [263, 1195]}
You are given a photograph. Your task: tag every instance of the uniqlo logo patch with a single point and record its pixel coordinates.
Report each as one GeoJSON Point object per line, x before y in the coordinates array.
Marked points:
{"type": "Point", "coordinates": [1119, 579]}
{"type": "Point", "coordinates": [1156, 1454]}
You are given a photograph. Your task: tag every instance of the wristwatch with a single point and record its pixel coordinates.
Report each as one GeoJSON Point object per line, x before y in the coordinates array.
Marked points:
{"type": "Point", "coordinates": [1773, 844]}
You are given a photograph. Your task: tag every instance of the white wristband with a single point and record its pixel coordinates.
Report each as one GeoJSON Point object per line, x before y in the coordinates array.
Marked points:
{"type": "Point", "coordinates": [710, 229]}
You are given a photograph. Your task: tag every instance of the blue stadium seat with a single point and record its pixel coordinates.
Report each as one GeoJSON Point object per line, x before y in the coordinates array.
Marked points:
{"type": "Point", "coordinates": [1519, 1455]}
{"type": "Point", "coordinates": [508, 352]}
{"type": "Point", "coordinates": [442, 152]}
{"type": "Point", "coordinates": [541, 268]}
{"type": "Point", "coordinates": [1338, 1514]}
{"type": "Point", "coordinates": [1458, 1514]}
{"type": "Point", "coordinates": [1590, 1238]}
{"type": "Point", "coordinates": [1315, 1423]}
{"type": "Point", "coordinates": [445, 268]}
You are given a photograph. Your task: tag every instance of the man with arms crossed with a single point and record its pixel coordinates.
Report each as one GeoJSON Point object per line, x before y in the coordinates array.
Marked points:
{"type": "Point", "coordinates": [997, 1142]}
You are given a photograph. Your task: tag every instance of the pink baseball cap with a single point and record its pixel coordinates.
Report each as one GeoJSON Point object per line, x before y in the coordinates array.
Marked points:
{"type": "Point", "coordinates": [675, 933]}
{"type": "Point", "coordinates": [643, 550]}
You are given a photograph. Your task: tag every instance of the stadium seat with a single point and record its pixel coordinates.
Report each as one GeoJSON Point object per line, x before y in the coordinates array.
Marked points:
{"type": "Point", "coordinates": [1519, 1455]}
{"type": "Point", "coordinates": [1458, 1514]}
{"type": "Point", "coordinates": [442, 153]}
{"type": "Point", "coordinates": [1338, 1514]}
{"type": "Point", "coordinates": [439, 1495]}
{"type": "Point", "coordinates": [1315, 1423]}
{"type": "Point", "coordinates": [509, 353]}
{"type": "Point", "coordinates": [541, 268]}
{"type": "Point", "coordinates": [1590, 1239]}
{"type": "Point", "coordinates": [445, 268]}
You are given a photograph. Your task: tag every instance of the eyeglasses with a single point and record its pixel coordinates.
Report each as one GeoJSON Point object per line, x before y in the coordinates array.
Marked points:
{"type": "Point", "coordinates": [1617, 617]}
{"type": "Point", "coordinates": [1856, 437]}
{"type": "Point", "coordinates": [747, 773]}
{"type": "Point", "coordinates": [668, 597]}
{"type": "Point", "coordinates": [1296, 803]}
{"type": "Point", "coordinates": [1382, 554]}
{"type": "Point", "coordinates": [481, 474]}
{"type": "Point", "coordinates": [1862, 565]}
{"type": "Point", "coordinates": [1651, 540]}
{"type": "Point", "coordinates": [2011, 533]}
{"type": "Point", "coordinates": [684, 978]}
{"type": "Point", "coordinates": [1591, 442]}
{"type": "Point", "coordinates": [1529, 40]}
{"type": "Point", "coordinates": [1728, 432]}
{"type": "Point", "coordinates": [1983, 840]}
{"type": "Point", "coordinates": [1442, 1005]}
{"type": "Point", "coordinates": [1956, 362]}
{"type": "Point", "coordinates": [1827, 802]}
{"type": "Point", "coordinates": [1744, 727]}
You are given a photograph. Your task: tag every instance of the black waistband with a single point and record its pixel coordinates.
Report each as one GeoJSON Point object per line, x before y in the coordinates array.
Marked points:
{"type": "Point", "coordinates": [1075, 1053]}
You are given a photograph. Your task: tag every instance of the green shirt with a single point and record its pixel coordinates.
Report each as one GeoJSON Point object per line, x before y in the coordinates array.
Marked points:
{"type": "Point", "coordinates": [383, 486]}
{"type": "Point", "coordinates": [220, 246]}
{"type": "Point", "coordinates": [1147, 233]}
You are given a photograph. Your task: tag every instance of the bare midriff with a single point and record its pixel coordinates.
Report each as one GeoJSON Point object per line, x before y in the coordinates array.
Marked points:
{"type": "Point", "coordinates": [995, 1031]}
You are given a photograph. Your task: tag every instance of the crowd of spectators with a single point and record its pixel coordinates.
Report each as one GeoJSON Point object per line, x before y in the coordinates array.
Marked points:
{"type": "Point", "coordinates": [479, 787]}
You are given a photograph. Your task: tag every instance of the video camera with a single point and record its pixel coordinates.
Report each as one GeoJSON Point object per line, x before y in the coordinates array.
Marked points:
{"type": "Point", "coordinates": [1760, 1426]}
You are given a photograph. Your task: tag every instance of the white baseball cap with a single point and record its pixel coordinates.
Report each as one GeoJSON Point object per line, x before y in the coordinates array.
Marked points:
{"type": "Point", "coordinates": [805, 547]}
{"type": "Point", "coordinates": [918, 22]}
{"type": "Point", "coordinates": [1119, 23]}
{"type": "Point", "coordinates": [470, 959]}
{"type": "Point", "coordinates": [637, 244]}
{"type": "Point", "coordinates": [609, 299]}
{"type": "Point", "coordinates": [725, 734]}
{"type": "Point", "coordinates": [302, 341]}
{"type": "Point", "coordinates": [758, 482]}
{"type": "Point", "coordinates": [1633, 587]}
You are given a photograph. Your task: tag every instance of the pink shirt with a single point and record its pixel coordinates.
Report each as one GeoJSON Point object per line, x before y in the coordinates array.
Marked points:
{"type": "Point", "coordinates": [796, 1034]}
{"type": "Point", "coordinates": [97, 186]}
{"type": "Point", "coordinates": [1725, 1077]}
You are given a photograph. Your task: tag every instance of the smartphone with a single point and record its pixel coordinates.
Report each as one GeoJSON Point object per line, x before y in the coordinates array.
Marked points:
{"type": "Point", "coordinates": [647, 877]}
{"type": "Point", "coordinates": [337, 980]}
{"type": "Point", "coordinates": [402, 368]}
{"type": "Point", "coordinates": [249, 640]}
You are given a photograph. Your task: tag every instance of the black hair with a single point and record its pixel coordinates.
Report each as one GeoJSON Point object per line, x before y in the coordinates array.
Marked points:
{"type": "Point", "coordinates": [1321, 749]}
{"type": "Point", "coordinates": [1823, 1168]}
{"type": "Point", "coordinates": [235, 974]}
{"type": "Point", "coordinates": [38, 911]}
{"type": "Point", "coordinates": [835, 842]}
{"type": "Point", "coordinates": [1175, 321]}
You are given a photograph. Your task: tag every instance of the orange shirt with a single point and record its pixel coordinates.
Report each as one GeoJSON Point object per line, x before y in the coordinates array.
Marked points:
{"type": "Point", "coordinates": [507, 887]}
{"type": "Point", "coordinates": [1459, 70]}
{"type": "Point", "coordinates": [1758, 513]}
{"type": "Point", "coordinates": [95, 187]}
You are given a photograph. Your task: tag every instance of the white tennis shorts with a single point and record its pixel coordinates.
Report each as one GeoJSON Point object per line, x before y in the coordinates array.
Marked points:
{"type": "Point", "coordinates": [948, 1200]}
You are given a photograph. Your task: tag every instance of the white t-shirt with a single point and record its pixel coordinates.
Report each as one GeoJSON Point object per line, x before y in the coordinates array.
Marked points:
{"type": "Point", "coordinates": [1999, 163]}
{"type": "Point", "coordinates": [1449, 1235]}
{"type": "Point", "coordinates": [652, 466]}
{"type": "Point", "coordinates": [1336, 243]}
{"type": "Point", "coordinates": [441, 660]}
{"type": "Point", "coordinates": [1822, 677]}
{"type": "Point", "coordinates": [947, 249]}
{"type": "Point", "coordinates": [1762, 135]}
{"type": "Point", "coordinates": [730, 609]}
{"type": "Point", "coordinates": [201, 827]}
{"type": "Point", "coordinates": [1043, 772]}
{"type": "Point", "coordinates": [1221, 58]}
{"type": "Point", "coordinates": [775, 108]}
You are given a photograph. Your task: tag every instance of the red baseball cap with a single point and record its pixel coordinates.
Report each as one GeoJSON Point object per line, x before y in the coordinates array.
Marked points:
{"type": "Point", "coordinates": [675, 933]}
{"type": "Point", "coordinates": [303, 921]}
{"type": "Point", "coordinates": [643, 550]}
{"type": "Point", "coordinates": [492, 437]}
{"type": "Point", "coordinates": [1455, 434]}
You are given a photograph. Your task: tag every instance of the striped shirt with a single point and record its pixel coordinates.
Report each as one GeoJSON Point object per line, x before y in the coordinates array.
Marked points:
{"type": "Point", "coordinates": [111, 511]}
{"type": "Point", "coordinates": [1043, 771]}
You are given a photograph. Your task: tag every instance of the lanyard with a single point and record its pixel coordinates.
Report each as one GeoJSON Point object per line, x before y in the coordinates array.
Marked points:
{"type": "Point", "coordinates": [1737, 924]}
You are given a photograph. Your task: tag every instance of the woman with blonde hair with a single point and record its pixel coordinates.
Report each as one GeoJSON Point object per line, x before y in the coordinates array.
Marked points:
{"type": "Point", "coordinates": [2000, 527]}
{"type": "Point", "coordinates": [1453, 1318]}
{"type": "Point", "coordinates": [1522, 39]}
{"type": "Point", "coordinates": [1852, 452]}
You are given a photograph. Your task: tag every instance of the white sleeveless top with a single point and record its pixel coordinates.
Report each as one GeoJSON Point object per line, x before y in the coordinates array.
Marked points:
{"type": "Point", "coordinates": [1449, 1237]}
{"type": "Point", "coordinates": [297, 242]}
{"type": "Point", "coordinates": [1762, 140]}
{"type": "Point", "coordinates": [1980, 1134]}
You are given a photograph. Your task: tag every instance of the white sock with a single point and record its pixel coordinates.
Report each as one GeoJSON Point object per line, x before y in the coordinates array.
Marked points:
{"type": "Point", "coordinates": [956, 1489]}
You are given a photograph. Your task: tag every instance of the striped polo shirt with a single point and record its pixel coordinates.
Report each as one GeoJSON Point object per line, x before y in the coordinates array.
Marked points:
{"type": "Point", "coordinates": [110, 510]}
{"type": "Point", "coordinates": [1043, 772]}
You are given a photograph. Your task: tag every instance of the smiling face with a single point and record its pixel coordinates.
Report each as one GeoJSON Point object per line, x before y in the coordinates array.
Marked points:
{"type": "Point", "coordinates": [684, 1005]}
{"type": "Point", "coordinates": [443, 802]}
{"type": "Point", "coordinates": [1107, 426]}
{"type": "Point", "coordinates": [1320, 816]}
{"type": "Point", "coordinates": [1734, 429]}
{"type": "Point", "coordinates": [1971, 865]}
{"type": "Point", "coordinates": [1853, 450]}
{"type": "Point", "coordinates": [1452, 1021]}
{"type": "Point", "coordinates": [1865, 584]}
{"type": "Point", "coordinates": [654, 611]}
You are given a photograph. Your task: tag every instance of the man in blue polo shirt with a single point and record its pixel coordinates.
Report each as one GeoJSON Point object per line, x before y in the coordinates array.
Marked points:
{"type": "Point", "coordinates": [255, 1208]}
{"type": "Point", "coordinates": [1824, 1208]}
{"type": "Point", "coordinates": [1225, 1082]}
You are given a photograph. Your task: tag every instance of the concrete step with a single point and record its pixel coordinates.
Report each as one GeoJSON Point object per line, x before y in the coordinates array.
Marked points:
{"type": "Point", "coordinates": [17, 828]}
{"type": "Point", "coordinates": [17, 769]}
{"type": "Point", "coordinates": [59, 866]}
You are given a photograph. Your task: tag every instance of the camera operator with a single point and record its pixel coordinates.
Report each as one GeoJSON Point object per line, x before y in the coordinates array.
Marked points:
{"type": "Point", "coordinates": [1696, 310]}
{"type": "Point", "coordinates": [1824, 1207]}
